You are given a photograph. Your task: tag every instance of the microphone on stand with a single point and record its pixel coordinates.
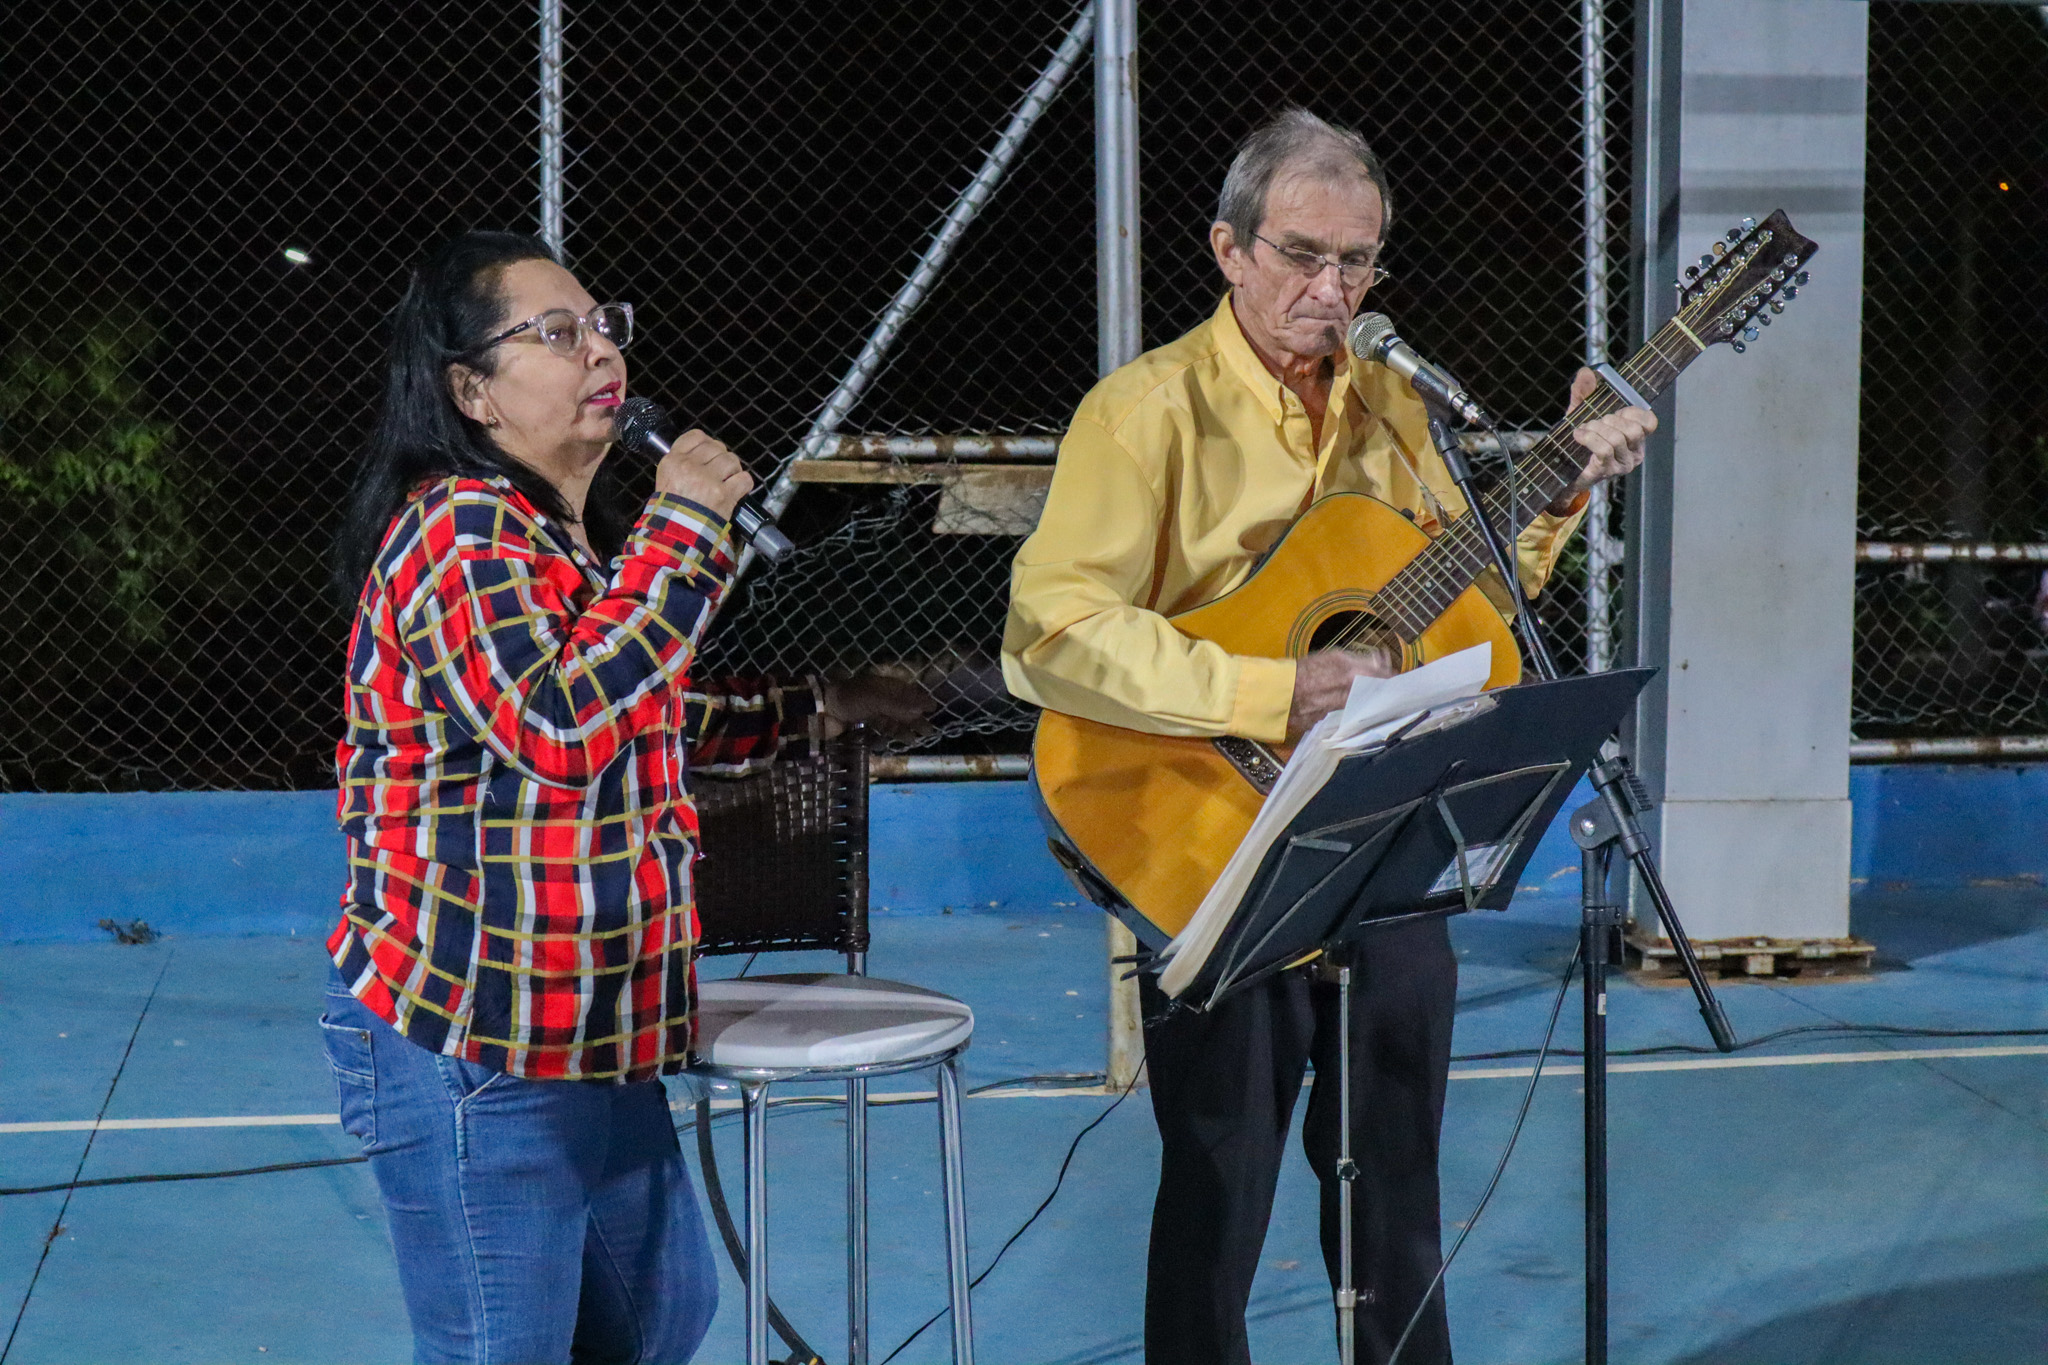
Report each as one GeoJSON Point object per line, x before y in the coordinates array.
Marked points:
{"type": "Point", "coordinates": [645, 425]}
{"type": "Point", "coordinates": [1372, 337]}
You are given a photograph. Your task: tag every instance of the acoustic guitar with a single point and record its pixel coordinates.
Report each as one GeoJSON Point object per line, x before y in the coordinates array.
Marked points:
{"type": "Point", "coordinates": [1144, 823]}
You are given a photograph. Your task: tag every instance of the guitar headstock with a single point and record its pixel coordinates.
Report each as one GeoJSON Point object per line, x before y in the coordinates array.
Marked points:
{"type": "Point", "coordinates": [1746, 280]}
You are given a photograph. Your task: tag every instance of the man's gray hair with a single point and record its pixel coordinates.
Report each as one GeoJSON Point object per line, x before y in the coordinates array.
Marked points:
{"type": "Point", "coordinates": [1295, 141]}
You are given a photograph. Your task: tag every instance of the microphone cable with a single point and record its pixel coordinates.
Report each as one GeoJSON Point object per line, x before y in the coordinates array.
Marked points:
{"type": "Point", "coordinates": [1025, 1226]}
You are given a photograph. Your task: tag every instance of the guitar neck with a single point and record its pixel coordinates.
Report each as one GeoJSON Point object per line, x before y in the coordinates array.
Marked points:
{"type": "Point", "coordinates": [1415, 597]}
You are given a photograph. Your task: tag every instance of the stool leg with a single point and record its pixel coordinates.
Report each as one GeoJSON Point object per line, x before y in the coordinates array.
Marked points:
{"type": "Point", "coordinates": [857, 1222]}
{"type": "Point", "coordinates": [754, 1099]}
{"type": "Point", "coordinates": [956, 1212]}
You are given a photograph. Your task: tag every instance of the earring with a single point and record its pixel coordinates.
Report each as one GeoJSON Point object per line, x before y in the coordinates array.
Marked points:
{"type": "Point", "coordinates": [491, 422]}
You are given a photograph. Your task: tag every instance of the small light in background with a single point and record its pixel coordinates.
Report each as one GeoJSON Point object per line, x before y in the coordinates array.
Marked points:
{"type": "Point", "coordinates": [298, 255]}
{"type": "Point", "coordinates": [2003, 186]}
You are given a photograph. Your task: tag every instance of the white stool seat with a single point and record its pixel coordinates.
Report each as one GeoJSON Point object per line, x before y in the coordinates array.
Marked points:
{"type": "Point", "coordinates": [824, 1020]}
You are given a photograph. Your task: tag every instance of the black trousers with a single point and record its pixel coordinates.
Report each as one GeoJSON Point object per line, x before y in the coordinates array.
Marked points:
{"type": "Point", "coordinates": [1224, 1085]}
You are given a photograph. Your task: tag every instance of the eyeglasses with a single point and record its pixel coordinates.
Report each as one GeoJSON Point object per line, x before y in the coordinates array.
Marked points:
{"type": "Point", "coordinates": [1308, 265]}
{"type": "Point", "coordinates": [562, 331]}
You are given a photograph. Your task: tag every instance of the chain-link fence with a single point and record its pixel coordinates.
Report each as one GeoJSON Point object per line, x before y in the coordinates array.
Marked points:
{"type": "Point", "coordinates": [1477, 109]}
{"type": "Point", "coordinates": [210, 208]}
{"type": "Point", "coordinates": [1953, 506]}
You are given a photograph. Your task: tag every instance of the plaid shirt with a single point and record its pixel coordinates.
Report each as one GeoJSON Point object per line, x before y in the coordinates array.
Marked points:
{"type": "Point", "coordinates": [512, 782]}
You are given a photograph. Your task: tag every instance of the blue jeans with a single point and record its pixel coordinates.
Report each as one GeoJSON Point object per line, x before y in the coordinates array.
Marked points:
{"type": "Point", "coordinates": [534, 1221]}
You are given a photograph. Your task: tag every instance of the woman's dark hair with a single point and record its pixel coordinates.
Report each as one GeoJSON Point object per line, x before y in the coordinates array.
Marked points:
{"type": "Point", "coordinates": [455, 303]}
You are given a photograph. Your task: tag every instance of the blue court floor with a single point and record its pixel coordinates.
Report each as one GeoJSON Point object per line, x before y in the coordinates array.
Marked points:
{"type": "Point", "coordinates": [1847, 1200]}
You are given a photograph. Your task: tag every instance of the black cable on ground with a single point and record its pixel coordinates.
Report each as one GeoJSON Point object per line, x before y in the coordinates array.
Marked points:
{"type": "Point", "coordinates": [185, 1175]}
{"type": "Point", "coordinates": [1500, 1167]}
{"type": "Point", "coordinates": [1025, 1226]}
{"type": "Point", "coordinates": [57, 1224]}
{"type": "Point", "coordinates": [702, 1119]}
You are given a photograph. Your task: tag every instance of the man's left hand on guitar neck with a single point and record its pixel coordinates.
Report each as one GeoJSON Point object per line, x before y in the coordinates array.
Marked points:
{"type": "Point", "coordinates": [1616, 443]}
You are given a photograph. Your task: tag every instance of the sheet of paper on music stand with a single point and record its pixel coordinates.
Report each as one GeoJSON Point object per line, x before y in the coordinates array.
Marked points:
{"type": "Point", "coordinates": [1375, 709]}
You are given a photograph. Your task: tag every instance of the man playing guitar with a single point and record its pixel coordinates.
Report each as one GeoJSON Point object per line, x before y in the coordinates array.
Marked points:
{"type": "Point", "coordinates": [1177, 473]}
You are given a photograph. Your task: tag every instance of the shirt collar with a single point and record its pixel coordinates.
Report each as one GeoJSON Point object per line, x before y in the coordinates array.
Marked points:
{"type": "Point", "coordinates": [1238, 353]}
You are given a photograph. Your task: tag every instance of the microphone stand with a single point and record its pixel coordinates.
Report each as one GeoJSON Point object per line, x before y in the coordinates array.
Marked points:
{"type": "Point", "coordinates": [1599, 828]}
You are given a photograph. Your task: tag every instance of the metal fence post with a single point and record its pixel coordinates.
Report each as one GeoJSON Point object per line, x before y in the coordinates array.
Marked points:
{"type": "Point", "coordinates": [1118, 316]}
{"type": "Point", "coordinates": [929, 266]}
{"type": "Point", "coordinates": [551, 229]}
{"type": "Point", "coordinates": [1603, 551]}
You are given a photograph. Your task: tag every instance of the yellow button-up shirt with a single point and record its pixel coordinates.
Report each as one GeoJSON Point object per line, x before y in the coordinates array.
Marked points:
{"type": "Point", "coordinates": [1178, 472]}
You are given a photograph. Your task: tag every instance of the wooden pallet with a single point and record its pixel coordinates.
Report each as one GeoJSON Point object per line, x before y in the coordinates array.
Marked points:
{"type": "Point", "coordinates": [1652, 958]}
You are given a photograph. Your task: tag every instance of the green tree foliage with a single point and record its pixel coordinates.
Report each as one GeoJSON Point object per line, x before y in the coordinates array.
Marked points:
{"type": "Point", "coordinates": [91, 473]}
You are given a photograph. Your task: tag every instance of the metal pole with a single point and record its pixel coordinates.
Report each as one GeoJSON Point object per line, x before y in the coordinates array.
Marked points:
{"type": "Point", "coordinates": [551, 230]}
{"type": "Point", "coordinates": [1116, 183]}
{"type": "Point", "coordinates": [929, 266]}
{"type": "Point", "coordinates": [1598, 921]}
{"type": "Point", "coordinates": [1603, 551]}
{"type": "Point", "coordinates": [754, 1101]}
{"type": "Point", "coordinates": [1118, 341]}
{"type": "Point", "coordinates": [1347, 1174]}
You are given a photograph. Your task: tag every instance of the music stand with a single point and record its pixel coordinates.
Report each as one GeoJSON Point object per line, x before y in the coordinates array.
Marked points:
{"type": "Point", "coordinates": [1440, 820]}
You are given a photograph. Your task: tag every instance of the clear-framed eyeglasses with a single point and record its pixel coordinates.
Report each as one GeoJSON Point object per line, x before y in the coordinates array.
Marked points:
{"type": "Point", "coordinates": [1309, 264]}
{"type": "Point", "coordinates": [563, 332]}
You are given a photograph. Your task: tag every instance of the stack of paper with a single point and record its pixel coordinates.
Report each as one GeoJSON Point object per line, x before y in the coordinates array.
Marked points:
{"type": "Point", "coordinates": [1375, 709]}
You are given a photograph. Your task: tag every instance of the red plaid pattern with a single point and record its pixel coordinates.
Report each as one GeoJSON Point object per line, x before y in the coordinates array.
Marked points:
{"type": "Point", "coordinates": [520, 833]}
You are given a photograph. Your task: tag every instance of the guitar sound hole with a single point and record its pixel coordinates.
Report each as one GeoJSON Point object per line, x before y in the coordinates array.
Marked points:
{"type": "Point", "coordinates": [1355, 630]}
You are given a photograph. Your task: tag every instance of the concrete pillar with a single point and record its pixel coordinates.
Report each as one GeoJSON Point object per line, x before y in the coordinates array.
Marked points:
{"type": "Point", "coordinates": [1743, 521]}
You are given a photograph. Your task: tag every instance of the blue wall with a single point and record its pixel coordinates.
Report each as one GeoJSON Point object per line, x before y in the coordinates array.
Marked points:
{"type": "Point", "coordinates": [231, 863]}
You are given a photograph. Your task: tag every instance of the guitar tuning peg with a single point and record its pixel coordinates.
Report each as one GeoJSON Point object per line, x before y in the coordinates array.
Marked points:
{"type": "Point", "coordinates": [1764, 318]}
{"type": "Point", "coordinates": [1737, 347]}
{"type": "Point", "coordinates": [1777, 306]}
{"type": "Point", "coordinates": [1720, 250]}
{"type": "Point", "coordinates": [1735, 234]}
{"type": "Point", "coordinates": [1801, 278]}
{"type": "Point", "coordinates": [1692, 272]}
{"type": "Point", "coordinates": [1791, 259]}
{"type": "Point", "coordinates": [1749, 334]}
{"type": "Point", "coordinates": [1706, 263]}
{"type": "Point", "coordinates": [1791, 291]}
{"type": "Point", "coordinates": [1749, 225]}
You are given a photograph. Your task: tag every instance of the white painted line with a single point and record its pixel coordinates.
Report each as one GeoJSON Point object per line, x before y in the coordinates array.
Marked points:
{"type": "Point", "coordinates": [1484, 1073]}
{"type": "Point", "coordinates": [1502, 1073]}
{"type": "Point", "coordinates": [229, 1121]}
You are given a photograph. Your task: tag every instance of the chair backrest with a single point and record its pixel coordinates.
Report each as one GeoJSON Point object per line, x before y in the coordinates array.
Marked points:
{"type": "Point", "coordinates": [785, 863]}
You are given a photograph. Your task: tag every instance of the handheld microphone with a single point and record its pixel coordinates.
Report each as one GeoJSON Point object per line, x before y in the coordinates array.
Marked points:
{"type": "Point", "coordinates": [1372, 337]}
{"type": "Point", "coordinates": [644, 425]}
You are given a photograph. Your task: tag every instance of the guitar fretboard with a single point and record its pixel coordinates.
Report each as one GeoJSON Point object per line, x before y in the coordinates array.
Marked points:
{"type": "Point", "coordinates": [1423, 590]}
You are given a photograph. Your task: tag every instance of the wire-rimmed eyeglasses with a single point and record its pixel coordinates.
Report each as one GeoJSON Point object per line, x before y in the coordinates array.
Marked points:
{"type": "Point", "coordinates": [562, 331]}
{"type": "Point", "coordinates": [1309, 264]}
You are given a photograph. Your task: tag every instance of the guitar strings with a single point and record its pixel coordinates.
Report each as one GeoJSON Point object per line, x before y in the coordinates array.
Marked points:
{"type": "Point", "coordinates": [1415, 596]}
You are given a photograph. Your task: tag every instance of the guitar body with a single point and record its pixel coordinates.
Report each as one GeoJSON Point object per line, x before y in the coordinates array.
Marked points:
{"type": "Point", "coordinates": [1156, 817]}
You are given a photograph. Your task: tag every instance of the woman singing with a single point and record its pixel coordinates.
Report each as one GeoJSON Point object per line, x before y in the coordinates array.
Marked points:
{"type": "Point", "coordinates": [513, 968]}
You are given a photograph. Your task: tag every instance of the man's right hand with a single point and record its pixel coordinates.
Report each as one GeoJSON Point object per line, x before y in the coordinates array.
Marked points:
{"type": "Point", "coordinates": [701, 469]}
{"type": "Point", "coordinates": [1322, 683]}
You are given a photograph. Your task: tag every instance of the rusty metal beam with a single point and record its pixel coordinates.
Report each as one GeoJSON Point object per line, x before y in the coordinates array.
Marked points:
{"type": "Point", "coordinates": [964, 448]}
{"type": "Point", "coordinates": [946, 767]}
{"type": "Point", "coordinates": [1965, 749]}
{"type": "Point", "coordinates": [1945, 551]}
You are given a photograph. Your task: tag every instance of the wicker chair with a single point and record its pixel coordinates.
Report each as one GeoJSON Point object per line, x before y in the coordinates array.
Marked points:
{"type": "Point", "coordinates": [785, 869]}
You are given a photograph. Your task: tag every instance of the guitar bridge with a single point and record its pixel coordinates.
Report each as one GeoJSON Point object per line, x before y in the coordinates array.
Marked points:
{"type": "Point", "coordinates": [1254, 762]}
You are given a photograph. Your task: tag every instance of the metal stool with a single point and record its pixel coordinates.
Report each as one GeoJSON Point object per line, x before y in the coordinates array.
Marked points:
{"type": "Point", "coordinates": [755, 1031]}
{"type": "Point", "coordinates": [785, 869]}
